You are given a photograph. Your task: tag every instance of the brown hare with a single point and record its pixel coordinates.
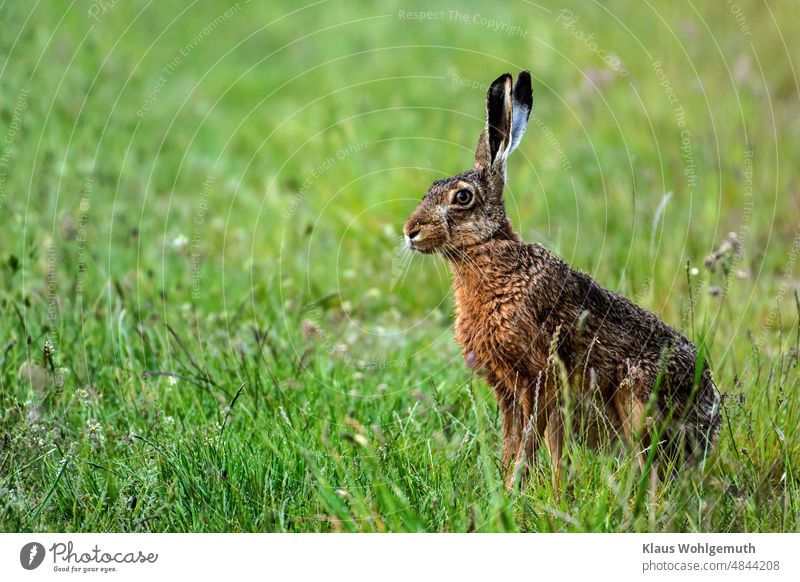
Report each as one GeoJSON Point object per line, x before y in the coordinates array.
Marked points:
{"type": "Point", "coordinates": [540, 331]}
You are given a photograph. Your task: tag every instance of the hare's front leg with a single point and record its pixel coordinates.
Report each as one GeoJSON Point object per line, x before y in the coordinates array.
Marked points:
{"type": "Point", "coordinates": [540, 417]}
{"type": "Point", "coordinates": [555, 444]}
{"type": "Point", "coordinates": [631, 411]}
{"type": "Point", "coordinates": [511, 412]}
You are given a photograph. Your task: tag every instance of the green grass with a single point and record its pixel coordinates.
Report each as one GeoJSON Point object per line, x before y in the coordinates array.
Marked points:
{"type": "Point", "coordinates": [219, 197]}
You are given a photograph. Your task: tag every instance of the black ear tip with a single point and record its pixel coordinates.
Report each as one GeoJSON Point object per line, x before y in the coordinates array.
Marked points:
{"type": "Point", "coordinates": [501, 81]}
{"type": "Point", "coordinates": [523, 80]}
{"type": "Point", "coordinates": [499, 87]}
{"type": "Point", "coordinates": [523, 91]}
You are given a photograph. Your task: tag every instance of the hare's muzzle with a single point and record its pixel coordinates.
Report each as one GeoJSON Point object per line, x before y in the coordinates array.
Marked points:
{"type": "Point", "coordinates": [414, 235]}
{"type": "Point", "coordinates": [411, 230]}
{"type": "Point", "coordinates": [425, 230]}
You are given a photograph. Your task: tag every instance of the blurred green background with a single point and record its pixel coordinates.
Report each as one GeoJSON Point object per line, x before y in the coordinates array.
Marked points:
{"type": "Point", "coordinates": [203, 197]}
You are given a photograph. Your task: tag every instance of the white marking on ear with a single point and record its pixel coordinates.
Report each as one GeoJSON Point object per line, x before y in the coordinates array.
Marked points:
{"type": "Point", "coordinates": [519, 123]}
{"type": "Point", "coordinates": [520, 110]}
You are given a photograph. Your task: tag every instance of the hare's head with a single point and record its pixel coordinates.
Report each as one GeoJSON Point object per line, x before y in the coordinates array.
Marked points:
{"type": "Point", "coordinates": [468, 209]}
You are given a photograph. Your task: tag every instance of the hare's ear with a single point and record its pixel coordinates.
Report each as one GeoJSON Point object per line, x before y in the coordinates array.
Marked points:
{"type": "Point", "coordinates": [495, 140]}
{"type": "Point", "coordinates": [522, 105]}
{"type": "Point", "coordinates": [507, 116]}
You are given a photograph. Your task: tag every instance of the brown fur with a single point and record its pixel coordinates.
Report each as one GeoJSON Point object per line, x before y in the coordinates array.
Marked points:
{"type": "Point", "coordinates": [528, 321]}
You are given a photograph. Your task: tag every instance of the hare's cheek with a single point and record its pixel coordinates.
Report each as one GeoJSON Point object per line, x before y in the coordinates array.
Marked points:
{"type": "Point", "coordinates": [467, 233]}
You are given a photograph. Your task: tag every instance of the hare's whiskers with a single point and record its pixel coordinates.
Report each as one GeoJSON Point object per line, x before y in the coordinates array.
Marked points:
{"type": "Point", "coordinates": [410, 256]}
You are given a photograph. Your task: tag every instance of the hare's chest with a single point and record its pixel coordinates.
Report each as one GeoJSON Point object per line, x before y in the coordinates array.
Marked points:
{"type": "Point", "coordinates": [493, 336]}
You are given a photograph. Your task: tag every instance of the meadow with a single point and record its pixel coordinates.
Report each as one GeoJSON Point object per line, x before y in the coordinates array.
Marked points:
{"type": "Point", "coordinates": [206, 319]}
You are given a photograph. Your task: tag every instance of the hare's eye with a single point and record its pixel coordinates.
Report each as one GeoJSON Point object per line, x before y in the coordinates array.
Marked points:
{"type": "Point", "coordinates": [462, 197]}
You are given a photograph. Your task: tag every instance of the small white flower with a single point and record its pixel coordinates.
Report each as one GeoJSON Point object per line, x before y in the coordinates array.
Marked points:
{"type": "Point", "coordinates": [180, 243]}
{"type": "Point", "coordinates": [94, 431]}
{"type": "Point", "coordinates": [694, 271]}
{"type": "Point", "coordinates": [82, 394]}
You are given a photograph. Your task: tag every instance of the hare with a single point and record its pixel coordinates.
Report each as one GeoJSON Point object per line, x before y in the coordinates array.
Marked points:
{"type": "Point", "coordinates": [540, 331]}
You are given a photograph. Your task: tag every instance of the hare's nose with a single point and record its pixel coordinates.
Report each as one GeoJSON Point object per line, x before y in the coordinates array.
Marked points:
{"type": "Point", "coordinates": [413, 232]}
